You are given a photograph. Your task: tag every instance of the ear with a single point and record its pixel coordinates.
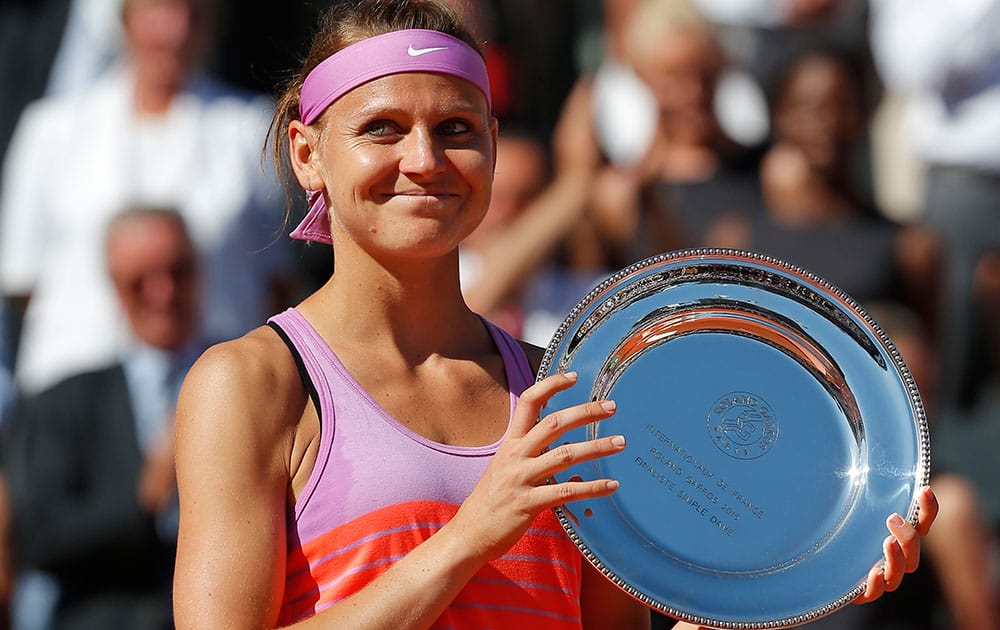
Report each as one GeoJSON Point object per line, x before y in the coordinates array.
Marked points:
{"type": "Point", "coordinates": [302, 144]}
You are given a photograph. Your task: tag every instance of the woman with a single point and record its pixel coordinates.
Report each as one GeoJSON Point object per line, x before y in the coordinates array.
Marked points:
{"type": "Point", "coordinates": [813, 210]}
{"type": "Point", "coordinates": [399, 487]}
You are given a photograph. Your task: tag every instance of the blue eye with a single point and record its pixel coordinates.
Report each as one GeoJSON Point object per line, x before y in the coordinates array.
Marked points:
{"type": "Point", "coordinates": [455, 126]}
{"type": "Point", "coordinates": [380, 128]}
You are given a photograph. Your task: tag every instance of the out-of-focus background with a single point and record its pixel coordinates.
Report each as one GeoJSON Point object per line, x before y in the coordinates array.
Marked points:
{"type": "Point", "coordinates": [858, 139]}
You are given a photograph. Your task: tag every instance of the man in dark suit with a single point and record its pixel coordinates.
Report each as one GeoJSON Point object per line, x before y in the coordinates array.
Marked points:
{"type": "Point", "coordinates": [99, 505]}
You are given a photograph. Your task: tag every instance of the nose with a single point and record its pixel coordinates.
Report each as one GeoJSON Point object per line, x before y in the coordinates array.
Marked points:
{"type": "Point", "coordinates": [170, 24]}
{"type": "Point", "coordinates": [689, 90]}
{"type": "Point", "coordinates": [421, 155]}
{"type": "Point", "coordinates": [160, 289]}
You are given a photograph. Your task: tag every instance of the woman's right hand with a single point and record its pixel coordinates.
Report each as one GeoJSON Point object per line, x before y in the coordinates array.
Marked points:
{"type": "Point", "coordinates": [516, 488]}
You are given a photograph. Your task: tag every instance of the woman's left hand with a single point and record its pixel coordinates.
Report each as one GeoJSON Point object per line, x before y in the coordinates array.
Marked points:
{"type": "Point", "coordinates": [901, 548]}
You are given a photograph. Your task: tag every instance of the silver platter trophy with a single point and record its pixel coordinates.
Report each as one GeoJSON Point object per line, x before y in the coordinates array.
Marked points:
{"type": "Point", "coordinates": [771, 429]}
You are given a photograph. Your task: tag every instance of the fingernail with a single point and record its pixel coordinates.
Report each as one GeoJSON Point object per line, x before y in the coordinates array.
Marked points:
{"type": "Point", "coordinates": [895, 520]}
{"type": "Point", "coordinates": [609, 405]}
{"type": "Point", "coordinates": [613, 485]}
{"type": "Point", "coordinates": [618, 440]}
{"type": "Point", "coordinates": [571, 376]}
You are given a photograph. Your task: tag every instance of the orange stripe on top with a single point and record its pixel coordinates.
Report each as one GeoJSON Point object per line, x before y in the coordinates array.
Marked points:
{"type": "Point", "coordinates": [536, 582]}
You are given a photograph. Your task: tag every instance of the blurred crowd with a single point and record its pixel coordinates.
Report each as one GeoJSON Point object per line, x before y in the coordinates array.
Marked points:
{"type": "Point", "coordinates": [141, 220]}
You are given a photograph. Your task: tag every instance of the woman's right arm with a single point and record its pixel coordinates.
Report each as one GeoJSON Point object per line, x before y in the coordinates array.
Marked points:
{"type": "Point", "coordinates": [234, 439]}
{"type": "Point", "coordinates": [233, 444]}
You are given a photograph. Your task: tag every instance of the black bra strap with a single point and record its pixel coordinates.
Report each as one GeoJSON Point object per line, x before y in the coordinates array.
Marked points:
{"type": "Point", "coordinates": [300, 364]}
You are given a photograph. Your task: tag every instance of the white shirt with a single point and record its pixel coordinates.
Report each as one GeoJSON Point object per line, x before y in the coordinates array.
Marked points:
{"type": "Point", "coordinates": [77, 160]}
{"type": "Point", "coordinates": [946, 56]}
{"type": "Point", "coordinates": [92, 39]}
{"type": "Point", "coordinates": [154, 379]}
{"type": "Point", "coordinates": [766, 13]}
{"type": "Point", "coordinates": [746, 12]}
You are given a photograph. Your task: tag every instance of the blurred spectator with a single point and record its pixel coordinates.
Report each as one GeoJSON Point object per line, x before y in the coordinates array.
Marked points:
{"type": "Point", "coordinates": [945, 58]}
{"type": "Point", "coordinates": [527, 45]}
{"type": "Point", "coordinates": [153, 131]}
{"type": "Point", "coordinates": [511, 265]}
{"type": "Point", "coordinates": [966, 591]}
{"type": "Point", "coordinates": [967, 441]}
{"type": "Point", "coordinates": [691, 172]}
{"type": "Point", "coordinates": [814, 213]}
{"type": "Point", "coordinates": [520, 174]}
{"type": "Point", "coordinates": [52, 47]}
{"type": "Point", "coordinates": [624, 108]}
{"type": "Point", "coordinates": [98, 510]}
{"type": "Point", "coordinates": [6, 561]}
{"type": "Point", "coordinates": [957, 585]}
{"type": "Point", "coordinates": [90, 42]}
{"type": "Point", "coordinates": [30, 33]}
{"type": "Point", "coordinates": [987, 290]}
{"type": "Point", "coordinates": [759, 36]}
{"type": "Point", "coordinates": [6, 367]}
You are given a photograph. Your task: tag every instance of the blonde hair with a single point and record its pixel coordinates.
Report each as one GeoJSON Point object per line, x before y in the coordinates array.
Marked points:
{"type": "Point", "coordinates": [653, 21]}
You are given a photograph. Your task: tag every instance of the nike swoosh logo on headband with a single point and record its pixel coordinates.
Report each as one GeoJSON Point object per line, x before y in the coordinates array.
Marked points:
{"type": "Point", "coordinates": [416, 52]}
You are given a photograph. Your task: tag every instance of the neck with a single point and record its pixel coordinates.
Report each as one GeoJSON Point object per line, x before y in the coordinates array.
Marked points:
{"type": "Point", "coordinates": [150, 97]}
{"type": "Point", "coordinates": [683, 159]}
{"type": "Point", "coordinates": [414, 309]}
{"type": "Point", "coordinates": [153, 102]}
{"type": "Point", "coordinates": [810, 205]}
{"type": "Point", "coordinates": [689, 163]}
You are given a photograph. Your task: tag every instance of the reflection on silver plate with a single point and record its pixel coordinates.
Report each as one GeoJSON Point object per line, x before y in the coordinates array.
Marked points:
{"type": "Point", "coordinates": [771, 428]}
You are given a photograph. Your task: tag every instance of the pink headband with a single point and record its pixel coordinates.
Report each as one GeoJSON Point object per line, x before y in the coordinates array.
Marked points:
{"type": "Point", "coordinates": [414, 50]}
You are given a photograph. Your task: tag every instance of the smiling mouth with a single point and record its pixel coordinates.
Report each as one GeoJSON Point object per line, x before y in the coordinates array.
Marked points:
{"type": "Point", "coordinates": [422, 198]}
{"type": "Point", "coordinates": [421, 193]}
{"type": "Point", "coordinates": [423, 202]}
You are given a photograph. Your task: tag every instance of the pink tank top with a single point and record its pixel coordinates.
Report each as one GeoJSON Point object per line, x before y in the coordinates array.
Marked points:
{"type": "Point", "coordinates": [378, 490]}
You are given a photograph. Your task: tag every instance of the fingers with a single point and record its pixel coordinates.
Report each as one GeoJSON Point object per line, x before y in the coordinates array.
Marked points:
{"type": "Point", "coordinates": [886, 575]}
{"type": "Point", "coordinates": [537, 434]}
{"type": "Point", "coordinates": [928, 510]}
{"type": "Point", "coordinates": [533, 399]}
{"type": "Point", "coordinates": [907, 540]}
{"type": "Point", "coordinates": [550, 429]}
{"type": "Point", "coordinates": [895, 564]}
{"type": "Point", "coordinates": [874, 585]}
{"type": "Point", "coordinates": [566, 455]}
{"type": "Point", "coordinates": [901, 549]}
{"type": "Point", "coordinates": [907, 537]}
{"type": "Point", "coordinates": [568, 491]}
{"type": "Point", "coordinates": [569, 454]}
{"type": "Point", "coordinates": [532, 438]}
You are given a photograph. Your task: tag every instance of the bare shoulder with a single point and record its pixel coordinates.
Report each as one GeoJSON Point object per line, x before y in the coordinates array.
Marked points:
{"type": "Point", "coordinates": [236, 421]}
{"type": "Point", "coordinates": [258, 355]}
{"type": "Point", "coordinates": [247, 388]}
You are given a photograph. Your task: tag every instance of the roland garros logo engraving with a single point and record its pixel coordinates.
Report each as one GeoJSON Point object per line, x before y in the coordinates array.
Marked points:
{"type": "Point", "coordinates": [742, 425]}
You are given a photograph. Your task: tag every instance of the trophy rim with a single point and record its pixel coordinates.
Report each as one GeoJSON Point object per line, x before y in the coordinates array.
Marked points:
{"type": "Point", "coordinates": [841, 300]}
